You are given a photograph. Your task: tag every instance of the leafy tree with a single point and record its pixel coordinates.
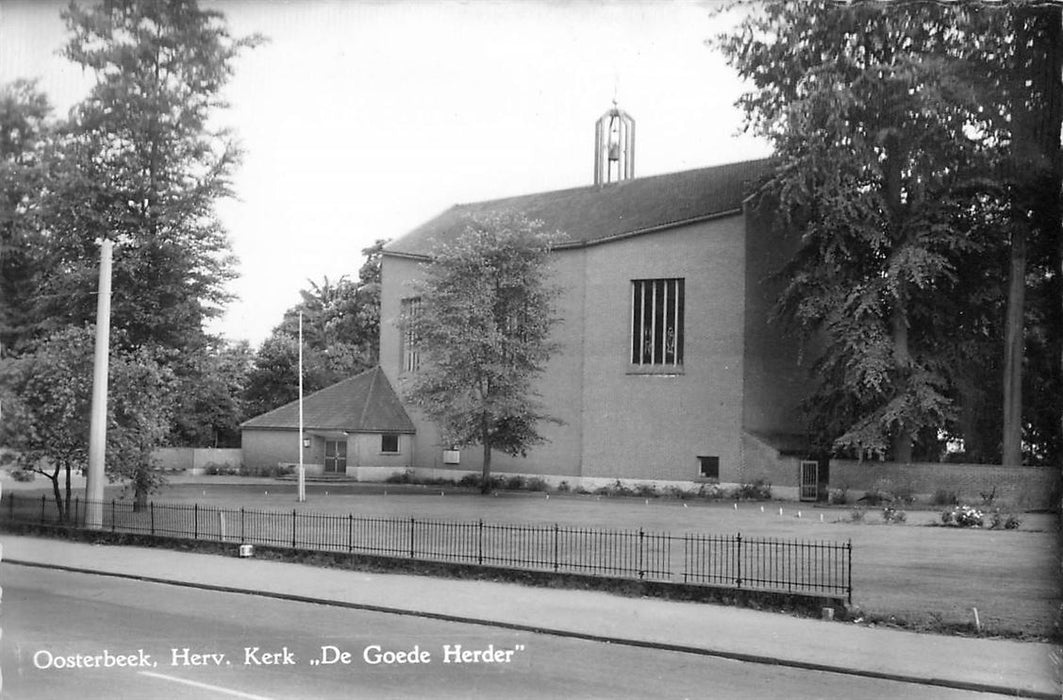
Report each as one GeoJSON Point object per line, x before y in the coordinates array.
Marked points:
{"type": "Point", "coordinates": [274, 379]}
{"type": "Point", "coordinates": [341, 332]}
{"type": "Point", "coordinates": [211, 402]}
{"type": "Point", "coordinates": [484, 325]}
{"type": "Point", "coordinates": [47, 406]}
{"type": "Point", "coordinates": [891, 128]}
{"type": "Point", "coordinates": [143, 165]}
{"type": "Point", "coordinates": [24, 138]}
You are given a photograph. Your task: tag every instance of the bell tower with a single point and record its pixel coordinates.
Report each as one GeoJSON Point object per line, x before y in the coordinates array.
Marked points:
{"type": "Point", "coordinates": [614, 147]}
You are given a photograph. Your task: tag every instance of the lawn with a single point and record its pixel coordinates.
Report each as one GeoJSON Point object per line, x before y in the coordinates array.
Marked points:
{"type": "Point", "coordinates": [924, 575]}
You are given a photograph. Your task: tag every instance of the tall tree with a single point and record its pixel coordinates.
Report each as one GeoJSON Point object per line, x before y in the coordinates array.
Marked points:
{"type": "Point", "coordinates": [144, 165]}
{"type": "Point", "coordinates": [24, 138]}
{"type": "Point", "coordinates": [891, 127]}
{"type": "Point", "coordinates": [484, 323]}
{"type": "Point", "coordinates": [1035, 98]}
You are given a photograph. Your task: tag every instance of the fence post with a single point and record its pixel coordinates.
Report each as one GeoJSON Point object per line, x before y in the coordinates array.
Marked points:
{"type": "Point", "coordinates": [77, 510]}
{"type": "Point", "coordinates": [43, 501]}
{"type": "Point", "coordinates": [849, 556]}
{"type": "Point", "coordinates": [195, 521]}
{"type": "Point", "coordinates": [738, 560]}
{"type": "Point", "coordinates": [293, 528]}
{"type": "Point", "coordinates": [638, 558]}
{"type": "Point", "coordinates": [350, 532]}
{"type": "Point", "coordinates": [480, 542]}
{"type": "Point", "coordinates": [242, 540]}
{"type": "Point", "coordinates": [411, 538]}
{"type": "Point", "coordinates": [151, 509]}
{"type": "Point", "coordinates": [112, 515]}
{"type": "Point", "coordinates": [556, 535]}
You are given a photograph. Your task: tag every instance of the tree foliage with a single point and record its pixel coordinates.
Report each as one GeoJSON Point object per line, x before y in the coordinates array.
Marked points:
{"type": "Point", "coordinates": [47, 397]}
{"type": "Point", "coordinates": [142, 163]}
{"type": "Point", "coordinates": [341, 333]}
{"type": "Point", "coordinates": [892, 129]}
{"type": "Point", "coordinates": [211, 402]}
{"type": "Point", "coordinates": [484, 329]}
{"type": "Point", "coordinates": [140, 160]}
{"type": "Point", "coordinates": [24, 145]}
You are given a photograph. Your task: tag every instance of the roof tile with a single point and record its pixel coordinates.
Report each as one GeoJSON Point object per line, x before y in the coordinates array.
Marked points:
{"type": "Point", "coordinates": [364, 403]}
{"type": "Point", "coordinates": [600, 212]}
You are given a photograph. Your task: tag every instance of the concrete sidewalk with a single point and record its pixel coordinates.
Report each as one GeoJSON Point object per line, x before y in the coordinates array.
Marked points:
{"type": "Point", "coordinates": [1014, 668]}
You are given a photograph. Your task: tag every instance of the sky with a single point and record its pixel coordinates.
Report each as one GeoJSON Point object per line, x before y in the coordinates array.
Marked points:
{"type": "Point", "coordinates": [362, 119]}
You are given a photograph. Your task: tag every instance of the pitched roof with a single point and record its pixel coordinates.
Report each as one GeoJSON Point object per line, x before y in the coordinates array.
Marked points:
{"type": "Point", "coordinates": [365, 403]}
{"type": "Point", "coordinates": [594, 214]}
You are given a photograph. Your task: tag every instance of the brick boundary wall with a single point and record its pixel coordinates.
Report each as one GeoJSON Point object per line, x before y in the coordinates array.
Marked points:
{"type": "Point", "coordinates": [1028, 488]}
{"type": "Point", "coordinates": [197, 459]}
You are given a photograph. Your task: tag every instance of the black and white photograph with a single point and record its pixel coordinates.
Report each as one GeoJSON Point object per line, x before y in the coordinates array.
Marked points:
{"type": "Point", "coordinates": [538, 349]}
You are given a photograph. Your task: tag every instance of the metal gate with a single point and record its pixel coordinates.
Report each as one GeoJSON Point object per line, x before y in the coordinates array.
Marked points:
{"type": "Point", "coordinates": [809, 480]}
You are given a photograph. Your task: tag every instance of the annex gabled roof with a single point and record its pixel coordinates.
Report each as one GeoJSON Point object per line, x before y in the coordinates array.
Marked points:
{"type": "Point", "coordinates": [365, 403]}
{"type": "Point", "coordinates": [598, 213]}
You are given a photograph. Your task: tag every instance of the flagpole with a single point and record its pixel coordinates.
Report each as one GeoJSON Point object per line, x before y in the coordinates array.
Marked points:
{"type": "Point", "coordinates": [302, 469]}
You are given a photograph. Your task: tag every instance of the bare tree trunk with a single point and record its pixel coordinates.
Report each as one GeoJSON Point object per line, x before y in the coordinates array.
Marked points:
{"type": "Point", "coordinates": [57, 493]}
{"type": "Point", "coordinates": [485, 478]}
{"type": "Point", "coordinates": [1024, 158]}
{"type": "Point", "coordinates": [1011, 453]}
{"type": "Point", "coordinates": [902, 358]}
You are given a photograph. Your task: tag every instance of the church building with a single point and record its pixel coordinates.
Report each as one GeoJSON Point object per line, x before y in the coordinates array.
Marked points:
{"type": "Point", "coordinates": [669, 368]}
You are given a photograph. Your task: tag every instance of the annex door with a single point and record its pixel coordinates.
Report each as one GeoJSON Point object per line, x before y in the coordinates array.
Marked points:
{"type": "Point", "coordinates": [809, 480]}
{"type": "Point", "coordinates": [335, 456]}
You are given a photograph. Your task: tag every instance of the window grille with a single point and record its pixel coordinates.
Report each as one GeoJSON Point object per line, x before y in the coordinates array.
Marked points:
{"type": "Point", "coordinates": [657, 322]}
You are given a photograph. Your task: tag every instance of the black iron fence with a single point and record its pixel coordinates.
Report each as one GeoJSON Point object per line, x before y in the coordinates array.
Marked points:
{"type": "Point", "coordinates": [733, 561]}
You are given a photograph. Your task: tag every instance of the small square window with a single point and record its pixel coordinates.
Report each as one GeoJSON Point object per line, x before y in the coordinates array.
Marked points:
{"type": "Point", "coordinates": [389, 443]}
{"type": "Point", "coordinates": [709, 467]}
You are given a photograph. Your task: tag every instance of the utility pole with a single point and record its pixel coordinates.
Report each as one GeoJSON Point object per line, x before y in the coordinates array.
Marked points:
{"type": "Point", "coordinates": [98, 425]}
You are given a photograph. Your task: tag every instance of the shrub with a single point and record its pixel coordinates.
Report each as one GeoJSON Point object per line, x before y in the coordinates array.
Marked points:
{"type": "Point", "coordinates": [1007, 521]}
{"type": "Point", "coordinates": [564, 487]}
{"type": "Point", "coordinates": [988, 497]}
{"type": "Point", "coordinates": [536, 484]}
{"type": "Point", "coordinates": [711, 491]}
{"type": "Point", "coordinates": [513, 483]}
{"type": "Point", "coordinates": [856, 515]}
{"type": "Point", "coordinates": [880, 493]}
{"type": "Point", "coordinates": [273, 472]}
{"type": "Point", "coordinates": [646, 491]}
{"type": "Point", "coordinates": [404, 477]}
{"type": "Point", "coordinates": [616, 489]}
{"type": "Point", "coordinates": [221, 470]}
{"type": "Point", "coordinates": [837, 497]}
{"type": "Point", "coordinates": [892, 515]}
{"type": "Point", "coordinates": [904, 494]}
{"type": "Point", "coordinates": [963, 516]}
{"type": "Point", "coordinates": [469, 480]}
{"type": "Point", "coordinates": [943, 497]}
{"type": "Point", "coordinates": [759, 490]}
{"type": "Point", "coordinates": [676, 492]}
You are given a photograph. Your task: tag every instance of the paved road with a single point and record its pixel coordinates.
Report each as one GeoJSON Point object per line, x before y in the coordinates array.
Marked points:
{"type": "Point", "coordinates": [189, 643]}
